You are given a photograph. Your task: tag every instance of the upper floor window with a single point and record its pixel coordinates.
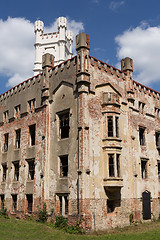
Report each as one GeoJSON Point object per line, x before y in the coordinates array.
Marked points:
{"type": "Point", "coordinates": [31, 106]}
{"type": "Point", "coordinates": [158, 166]}
{"type": "Point", "coordinates": [141, 107]}
{"type": "Point", "coordinates": [31, 168]}
{"type": "Point", "coordinates": [5, 116]}
{"type": "Point", "coordinates": [113, 126]}
{"type": "Point", "coordinates": [64, 125]}
{"type": "Point", "coordinates": [63, 166]}
{"type": "Point", "coordinates": [142, 136]}
{"type": "Point", "coordinates": [18, 138]}
{"type": "Point", "coordinates": [114, 165]}
{"type": "Point", "coordinates": [32, 134]}
{"type": "Point", "coordinates": [157, 112]}
{"type": "Point", "coordinates": [157, 136]}
{"type": "Point", "coordinates": [17, 111]}
{"type": "Point", "coordinates": [6, 139]}
{"type": "Point", "coordinates": [144, 168]}
{"type": "Point", "coordinates": [16, 170]}
{"type": "Point", "coordinates": [4, 174]}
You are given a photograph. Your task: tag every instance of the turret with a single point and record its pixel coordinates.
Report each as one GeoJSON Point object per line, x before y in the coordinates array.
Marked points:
{"type": "Point", "coordinates": [62, 26]}
{"type": "Point", "coordinates": [38, 29]}
{"type": "Point", "coordinates": [127, 67]}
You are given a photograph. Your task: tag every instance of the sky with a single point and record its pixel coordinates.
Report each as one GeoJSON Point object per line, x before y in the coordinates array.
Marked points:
{"type": "Point", "coordinates": [117, 29]}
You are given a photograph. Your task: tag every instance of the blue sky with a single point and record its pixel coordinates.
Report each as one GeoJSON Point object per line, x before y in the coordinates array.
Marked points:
{"type": "Point", "coordinates": [117, 29]}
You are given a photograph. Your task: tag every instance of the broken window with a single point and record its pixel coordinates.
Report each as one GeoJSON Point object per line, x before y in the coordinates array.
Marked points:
{"type": "Point", "coordinates": [157, 111]}
{"type": "Point", "coordinates": [32, 133]}
{"type": "Point", "coordinates": [4, 175]}
{"type": "Point", "coordinates": [110, 126]}
{"type": "Point", "coordinates": [31, 106]}
{"type": "Point", "coordinates": [5, 117]}
{"type": "Point", "coordinates": [17, 111]}
{"type": "Point", "coordinates": [158, 166]}
{"type": "Point", "coordinates": [16, 170]}
{"type": "Point", "coordinates": [64, 166]}
{"type": "Point", "coordinates": [114, 165]}
{"type": "Point", "coordinates": [113, 126]}
{"type": "Point", "coordinates": [64, 125]}
{"type": "Point", "coordinates": [141, 107]}
{"type": "Point", "coordinates": [63, 204]}
{"type": "Point", "coordinates": [18, 138]}
{"type": "Point", "coordinates": [6, 138]}
{"type": "Point", "coordinates": [142, 136]}
{"type": "Point", "coordinates": [14, 202]}
{"type": "Point", "coordinates": [110, 205]}
{"type": "Point", "coordinates": [31, 168]}
{"type": "Point", "coordinates": [111, 165]}
{"type": "Point", "coordinates": [157, 136]}
{"type": "Point", "coordinates": [30, 202]}
{"type": "Point", "coordinates": [2, 201]}
{"type": "Point", "coordinates": [144, 168]}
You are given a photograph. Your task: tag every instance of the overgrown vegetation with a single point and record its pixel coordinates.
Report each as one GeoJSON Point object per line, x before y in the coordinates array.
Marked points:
{"type": "Point", "coordinates": [42, 214]}
{"type": "Point", "coordinates": [3, 211]}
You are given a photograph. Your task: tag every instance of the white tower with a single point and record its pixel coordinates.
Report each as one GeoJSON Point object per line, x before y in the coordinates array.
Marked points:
{"type": "Point", "coordinates": [59, 43]}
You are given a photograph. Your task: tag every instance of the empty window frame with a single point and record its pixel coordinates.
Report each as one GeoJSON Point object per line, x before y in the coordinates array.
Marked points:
{"type": "Point", "coordinates": [31, 106]}
{"type": "Point", "coordinates": [16, 170]}
{"type": "Point", "coordinates": [114, 165]}
{"type": "Point", "coordinates": [17, 111]}
{"type": "Point", "coordinates": [63, 166]}
{"type": "Point", "coordinates": [64, 125]}
{"type": "Point", "coordinates": [144, 168]}
{"type": "Point", "coordinates": [141, 107]}
{"type": "Point", "coordinates": [14, 202]}
{"type": "Point", "coordinates": [5, 117]}
{"type": "Point", "coordinates": [18, 138]}
{"type": "Point", "coordinates": [32, 134]}
{"type": "Point", "coordinates": [157, 111]}
{"type": "Point", "coordinates": [113, 126]}
{"type": "Point", "coordinates": [6, 139]}
{"type": "Point", "coordinates": [29, 202]}
{"type": "Point", "coordinates": [31, 168]}
{"type": "Point", "coordinates": [2, 200]}
{"type": "Point", "coordinates": [158, 166]}
{"type": "Point", "coordinates": [142, 136]}
{"type": "Point", "coordinates": [63, 204]}
{"type": "Point", "coordinates": [4, 174]}
{"type": "Point", "coordinates": [157, 138]}
{"type": "Point", "coordinates": [110, 205]}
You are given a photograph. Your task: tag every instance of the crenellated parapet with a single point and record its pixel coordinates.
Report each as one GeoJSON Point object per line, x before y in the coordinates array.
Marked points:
{"type": "Point", "coordinates": [59, 43]}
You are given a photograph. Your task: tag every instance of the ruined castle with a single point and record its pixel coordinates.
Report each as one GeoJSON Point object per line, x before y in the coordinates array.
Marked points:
{"type": "Point", "coordinates": [81, 136]}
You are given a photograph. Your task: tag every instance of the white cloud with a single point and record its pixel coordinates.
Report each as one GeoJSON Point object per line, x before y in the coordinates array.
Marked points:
{"type": "Point", "coordinates": [17, 47]}
{"type": "Point", "coordinates": [114, 5]}
{"type": "Point", "coordinates": [143, 45]}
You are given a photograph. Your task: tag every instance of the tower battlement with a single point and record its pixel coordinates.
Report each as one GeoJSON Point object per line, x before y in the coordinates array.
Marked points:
{"type": "Point", "coordinates": [59, 43]}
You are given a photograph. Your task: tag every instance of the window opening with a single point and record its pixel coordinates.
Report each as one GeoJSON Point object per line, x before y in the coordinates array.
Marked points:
{"type": "Point", "coordinates": [63, 204]}
{"type": "Point", "coordinates": [2, 201]}
{"type": "Point", "coordinates": [144, 168]}
{"type": "Point", "coordinates": [17, 111]}
{"type": "Point", "coordinates": [117, 126]}
{"type": "Point", "coordinates": [14, 202]}
{"type": "Point", "coordinates": [5, 117]}
{"type": "Point", "coordinates": [18, 138]}
{"type": "Point", "coordinates": [30, 202]}
{"type": "Point", "coordinates": [31, 169]}
{"type": "Point", "coordinates": [158, 165]}
{"type": "Point", "coordinates": [32, 132]}
{"type": "Point", "coordinates": [110, 205]}
{"type": "Point", "coordinates": [110, 126]}
{"type": "Point", "coordinates": [64, 166]}
{"type": "Point", "coordinates": [4, 176]}
{"type": "Point", "coordinates": [111, 165]}
{"type": "Point", "coordinates": [141, 107]}
{"type": "Point", "coordinates": [157, 135]}
{"type": "Point", "coordinates": [31, 106]}
{"type": "Point", "coordinates": [16, 170]}
{"type": "Point", "coordinates": [66, 204]}
{"type": "Point", "coordinates": [6, 137]}
{"type": "Point", "coordinates": [142, 136]}
{"type": "Point", "coordinates": [118, 164]}
{"type": "Point", "coordinates": [64, 125]}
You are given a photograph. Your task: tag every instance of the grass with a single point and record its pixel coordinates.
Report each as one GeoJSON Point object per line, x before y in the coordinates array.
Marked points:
{"type": "Point", "coordinates": [13, 229]}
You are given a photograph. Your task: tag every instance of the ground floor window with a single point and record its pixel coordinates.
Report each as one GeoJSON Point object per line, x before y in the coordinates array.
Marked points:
{"type": "Point", "coordinates": [63, 199]}
{"type": "Point", "coordinates": [30, 202]}
{"type": "Point", "coordinates": [14, 202]}
{"type": "Point", "coordinates": [2, 201]}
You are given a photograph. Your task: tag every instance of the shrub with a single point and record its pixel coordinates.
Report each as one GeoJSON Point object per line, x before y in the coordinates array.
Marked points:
{"type": "Point", "coordinates": [42, 214]}
{"type": "Point", "coordinates": [60, 222]}
{"type": "Point", "coordinates": [3, 211]}
{"type": "Point", "coordinates": [131, 218]}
